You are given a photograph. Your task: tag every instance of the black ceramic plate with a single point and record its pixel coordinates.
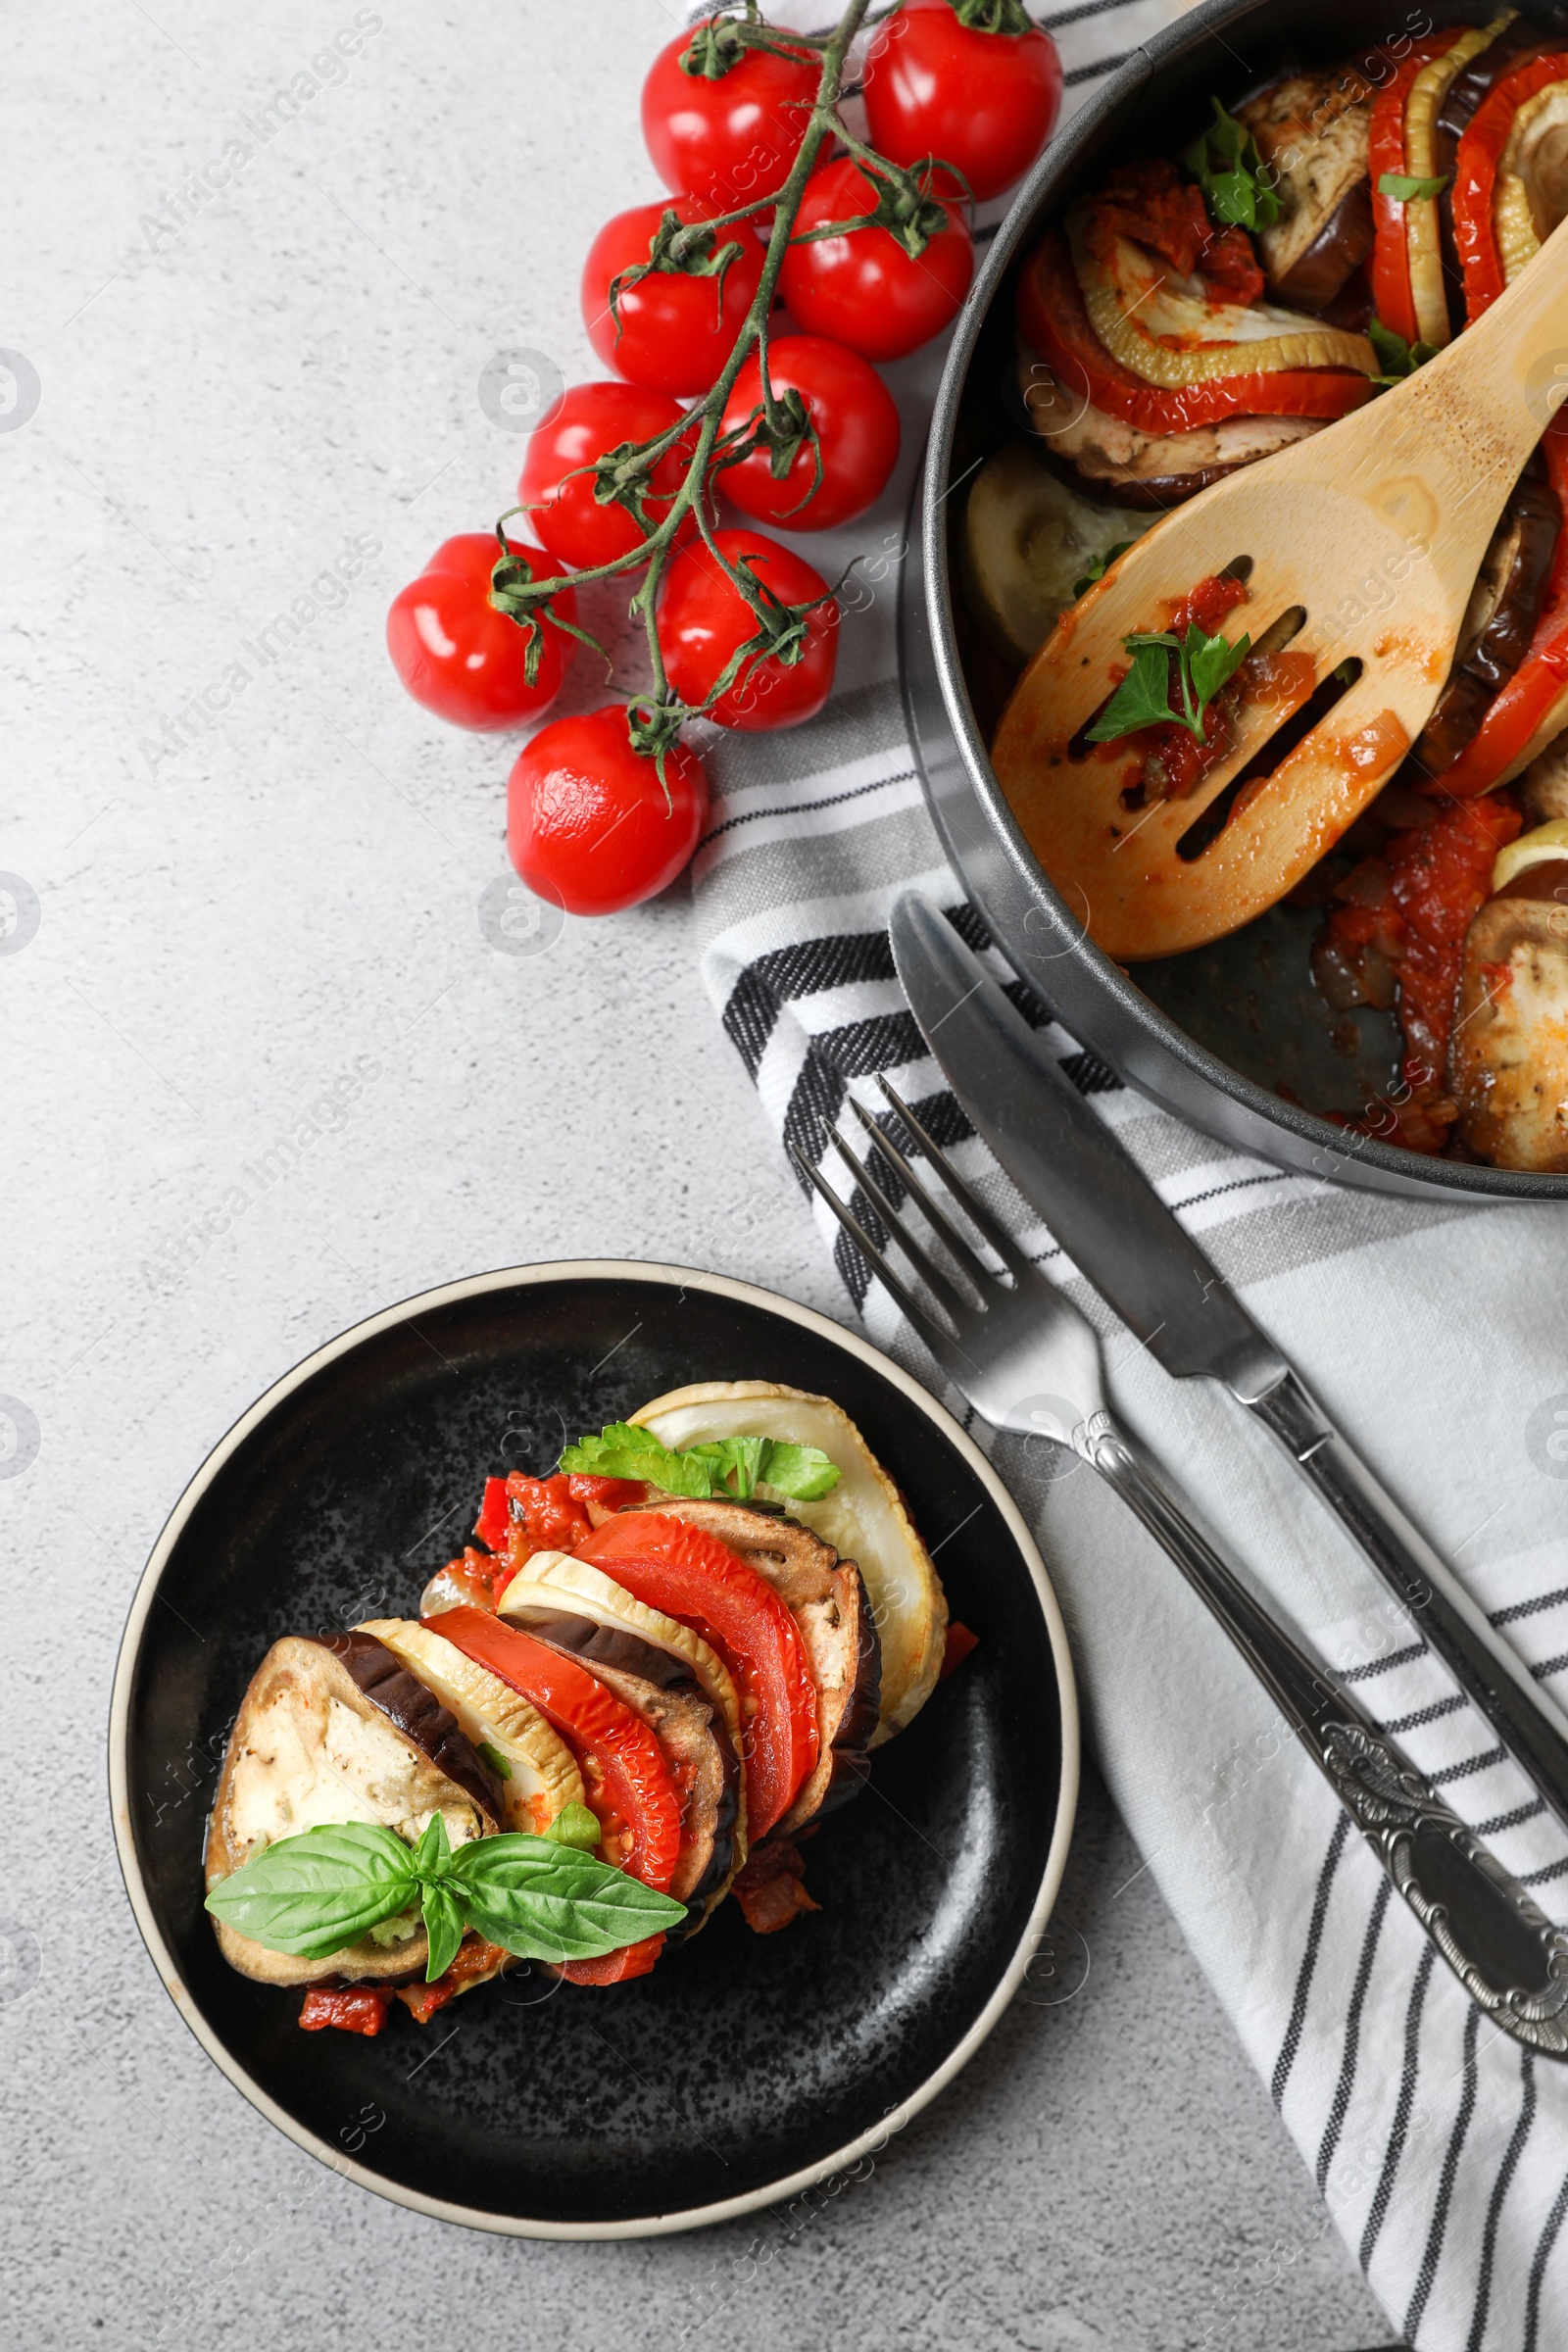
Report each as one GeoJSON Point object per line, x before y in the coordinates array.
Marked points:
{"type": "Point", "coordinates": [745, 2067]}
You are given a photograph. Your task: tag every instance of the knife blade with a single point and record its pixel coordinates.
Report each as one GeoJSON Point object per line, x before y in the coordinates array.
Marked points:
{"type": "Point", "coordinates": [1111, 1223]}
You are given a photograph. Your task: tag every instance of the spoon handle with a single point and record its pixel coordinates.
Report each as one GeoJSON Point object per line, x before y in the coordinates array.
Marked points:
{"type": "Point", "coordinates": [1481, 406]}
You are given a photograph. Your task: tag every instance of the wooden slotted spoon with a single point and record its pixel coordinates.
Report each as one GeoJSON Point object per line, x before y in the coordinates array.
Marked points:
{"type": "Point", "coordinates": [1377, 527]}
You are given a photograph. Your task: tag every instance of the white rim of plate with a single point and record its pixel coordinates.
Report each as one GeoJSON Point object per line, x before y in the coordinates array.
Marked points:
{"type": "Point", "coordinates": [774, 2193]}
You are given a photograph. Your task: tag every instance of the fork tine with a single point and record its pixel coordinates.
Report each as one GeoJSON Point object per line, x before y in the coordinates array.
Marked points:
{"type": "Point", "coordinates": [920, 1314]}
{"type": "Point", "coordinates": [962, 1249]}
{"type": "Point", "coordinates": [949, 1295]}
{"type": "Point", "coordinates": [1004, 1242]}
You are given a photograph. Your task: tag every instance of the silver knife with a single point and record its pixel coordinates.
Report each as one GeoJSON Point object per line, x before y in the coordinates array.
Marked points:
{"type": "Point", "coordinates": [1113, 1224]}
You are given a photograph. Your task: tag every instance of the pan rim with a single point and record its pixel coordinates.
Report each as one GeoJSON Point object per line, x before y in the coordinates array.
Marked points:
{"type": "Point", "coordinates": [1359, 1161]}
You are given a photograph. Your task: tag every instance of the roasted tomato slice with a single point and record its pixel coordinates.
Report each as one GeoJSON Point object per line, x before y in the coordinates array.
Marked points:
{"type": "Point", "coordinates": [627, 1780]}
{"type": "Point", "coordinates": [690, 1575]}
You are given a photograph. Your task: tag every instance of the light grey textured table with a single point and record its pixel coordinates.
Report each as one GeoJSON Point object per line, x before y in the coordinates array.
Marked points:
{"type": "Point", "coordinates": [221, 914]}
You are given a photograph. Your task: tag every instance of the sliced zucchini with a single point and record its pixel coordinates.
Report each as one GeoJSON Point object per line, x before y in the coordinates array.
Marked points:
{"type": "Point", "coordinates": [538, 1772]}
{"type": "Point", "coordinates": [1027, 541]}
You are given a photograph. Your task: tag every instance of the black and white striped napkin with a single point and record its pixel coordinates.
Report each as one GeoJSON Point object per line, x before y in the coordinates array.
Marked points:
{"type": "Point", "coordinates": [1439, 1337]}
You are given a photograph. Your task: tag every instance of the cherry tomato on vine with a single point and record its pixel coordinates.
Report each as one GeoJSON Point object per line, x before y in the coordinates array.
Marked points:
{"type": "Point", "coordinates": [856, 422]}
{"type": "Point", "coordinates": [675, 330]}
{"type": "Point", "coordinates": [460, 658]}
{"type": "Point", "coordinates": [938, 84]}
{"type": "Point", "coordinates": [588, 825]}
{"type": "Point", "coordinates": [732, 140]}
{"type": "Point", "coordinates": [591, 420]}
{"type": "Point", "coordinates": [704, 620]}
{"type": "Point", "coordinates": [863, 288]}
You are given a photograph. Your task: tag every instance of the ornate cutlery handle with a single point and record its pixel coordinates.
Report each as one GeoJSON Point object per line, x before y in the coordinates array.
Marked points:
{"type": "Point", "coordinates": [1492, 1933]}
{"type": "Point", "coordinates": [1442, 1613]}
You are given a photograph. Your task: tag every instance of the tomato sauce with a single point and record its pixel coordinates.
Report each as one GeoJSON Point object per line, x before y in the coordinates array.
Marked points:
{"type": "Point", "coordinates": [1413, 906]}
{"type": "Point", "coordinates": [1146, 200]}
{"type": "Point", "coordinates": [351, 2008]}
{"type": "Point", "coordinates": [474, 1958]}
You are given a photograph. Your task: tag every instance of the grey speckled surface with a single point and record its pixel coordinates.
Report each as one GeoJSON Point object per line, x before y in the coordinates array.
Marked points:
{"type": "Point", "coordinates": [223, 929]}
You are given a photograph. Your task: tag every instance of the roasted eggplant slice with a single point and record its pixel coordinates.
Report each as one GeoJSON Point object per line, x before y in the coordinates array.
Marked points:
{"type": "Point", "coordinates": [1508, 1060]}
{"type": "Point", "coordinates": [557, 1585]}
{"type": "Point", "coordinates": [1114, 459]}
{"type": "Point", "coordinates": [537, 1771]}
{"type": "Point", "coordinates": [863, 1519]}
{"type": "Point", "coordinates": [680, 1686]}
{"type": "Point", "coordinates": [695, 1745]}
{"type": "Point", "coordinates": [1312, 130]}
{"type": "Point", "coordinates": [338, 1730]}
{"type": "Point", "coordinates": [1504, 607]}
{"type": "Point", "coordinates": [1543, 785]}
{"type": "Point", "coordinates": [1516, 43]}
{"type": "Point", "coordinates": [826, 1598]}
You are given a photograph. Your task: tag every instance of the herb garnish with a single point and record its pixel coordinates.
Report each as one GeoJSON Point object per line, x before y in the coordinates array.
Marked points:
{"type": "Point", "coordinates": [724, 1466]}
{"type": "Point", "coordinates": [1099, 565]}
{"type": "Point", "coordinates": [1405, 190]}
{"type": "Point", "coordinates": [1396, 358]}
{"type": "Point", "coordinates": [1202, 665]}
{"type": "Point", "coordinates": [574, 1825]}
{"type": "Point", "coordinates": [1233, 176]}
{"type": "Point", "coordinates": [541, 1898]}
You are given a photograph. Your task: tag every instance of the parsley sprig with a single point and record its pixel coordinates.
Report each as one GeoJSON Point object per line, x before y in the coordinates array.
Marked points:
{"type": "Point", "coordinates": [1200, 666]}
{"type": "Point", "coordinates": [1099, 565]}
{"type": "Point", "coordinates": [1234, 177]}
{"type": "Point", "coordinates": [540, 1899]}
{"type": "Point", "coordinates": [724, 1466]}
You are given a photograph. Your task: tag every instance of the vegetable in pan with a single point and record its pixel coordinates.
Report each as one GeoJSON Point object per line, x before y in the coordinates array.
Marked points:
{"type": "Point", "coordinates": [1309, 250]}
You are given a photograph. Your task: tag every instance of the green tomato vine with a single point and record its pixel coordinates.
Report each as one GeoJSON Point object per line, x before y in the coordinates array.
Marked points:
{"type": "Point", "coordinates": [907, 205]}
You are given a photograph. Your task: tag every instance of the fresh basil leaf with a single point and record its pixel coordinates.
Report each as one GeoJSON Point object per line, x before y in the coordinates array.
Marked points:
{"type": "Point", "coordinates": [1099, 565]}
{"type": "Point", "coordinates": [1405, 190]}
{"type": "Point", "coordinates": [1212, 663]}
{"type": "Point", "coordinates": [433, 1852]}
{"type": "Point", "coordinates": [316, 1893]}
{"type": "Point", "coordinates": [1142, 699]}
{"type": "Point", "coordinates": [803, 1473]}
{"type": "Point", "coordinates": [1228, 167]}
{"type": "Point", "coordinates": [444, 1925]}
{"type": "Point", "coordinates": [574, 1825]}
{"type": "Point", "coordinates": [1233, 198]}
{"type": "Point", "coordinates": [1396, 359]}
{"type": "Point", "coordinates": [544, 1901]}
{"type": "Point", "coordinates": [491, 1755]}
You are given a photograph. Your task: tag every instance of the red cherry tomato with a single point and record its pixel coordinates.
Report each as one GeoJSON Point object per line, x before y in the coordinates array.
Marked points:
{"type": "Point", "coordinates": [675, 331]}
{"type": "Point", "coordinates": [460, 658]}
{"type": "Point", "coordinates": [863, 288]}
{"type": "Point", "coordinates": [703, 619]}
{"type": "Point", "coordinates": [591, 420]}
{"type": "Point", "coordinates": [856, 424]}
{"type": "Point", "coordinates": [985, 102]}
{"type": "Point", "coordinates": [588, 826]}
{"type": "Point", "coordinates": [733, 140]}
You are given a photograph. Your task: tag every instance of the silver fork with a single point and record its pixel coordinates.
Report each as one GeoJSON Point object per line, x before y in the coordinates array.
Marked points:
{"type": "Point", "coordinates": [1021, 1353]}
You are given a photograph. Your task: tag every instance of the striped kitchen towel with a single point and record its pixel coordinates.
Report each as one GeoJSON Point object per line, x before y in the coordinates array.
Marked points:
{"type": "Point", "coordinates": [1435, 1333]}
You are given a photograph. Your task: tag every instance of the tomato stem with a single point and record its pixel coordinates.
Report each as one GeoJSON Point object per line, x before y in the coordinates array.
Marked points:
{"type": "Point", "coordinates": [654, 717]}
